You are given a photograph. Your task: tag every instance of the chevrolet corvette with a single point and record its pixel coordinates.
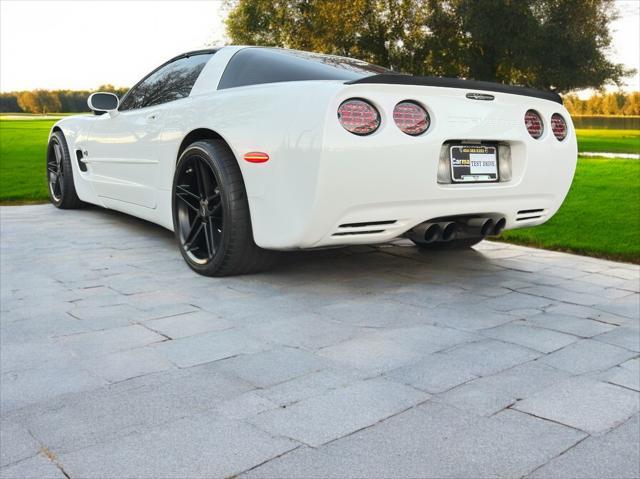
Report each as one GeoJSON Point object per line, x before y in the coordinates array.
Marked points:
{"type": "Point", "coordinates": [246, 151]}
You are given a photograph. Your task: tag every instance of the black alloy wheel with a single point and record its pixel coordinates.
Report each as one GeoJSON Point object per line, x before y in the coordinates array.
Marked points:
{"type": "Point", "coordinates": [61, 186]}
{"type": "Point", "coordinates": [199, 210]}
{"type": "Point", "coordinates": [211, 217]}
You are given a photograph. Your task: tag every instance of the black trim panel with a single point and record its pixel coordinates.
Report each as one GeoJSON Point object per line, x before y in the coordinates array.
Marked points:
{"type": "Point", "coordinates": [458, 83]}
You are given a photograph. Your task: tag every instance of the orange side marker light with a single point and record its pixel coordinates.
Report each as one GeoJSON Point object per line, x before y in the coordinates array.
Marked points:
{"type": "Point", "coordinates": [256, 157]}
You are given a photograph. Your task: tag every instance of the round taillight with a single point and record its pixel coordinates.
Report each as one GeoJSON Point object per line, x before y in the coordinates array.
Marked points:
{"type": "Point", "coordinates": [411, 118]}
{"type": "Point", "coordinates": [358, 117]}
{"type": "Point", "coordinates": [558, 126]}
{"type": "Point", "coordinates": [533, 122]}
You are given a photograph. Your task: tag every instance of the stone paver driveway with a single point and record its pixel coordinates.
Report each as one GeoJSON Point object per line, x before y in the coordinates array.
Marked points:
{"type": "Point", "coordinates": [118, 361]}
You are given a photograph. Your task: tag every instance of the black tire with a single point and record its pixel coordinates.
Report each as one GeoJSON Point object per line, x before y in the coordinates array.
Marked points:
{"type": "Point", "coordinates": [62, 190]}
{"type": "Point", "coordinates": [455, 244]}
{"type": "Point", "coordinates": [209, 194]}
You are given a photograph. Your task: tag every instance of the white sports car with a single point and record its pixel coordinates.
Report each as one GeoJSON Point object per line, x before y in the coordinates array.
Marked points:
{"type": "Point", "coordinates": [244, 151]}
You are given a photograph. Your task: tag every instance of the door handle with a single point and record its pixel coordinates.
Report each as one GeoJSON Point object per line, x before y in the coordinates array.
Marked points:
{"type": "Point", "coordinates": [153, 116]}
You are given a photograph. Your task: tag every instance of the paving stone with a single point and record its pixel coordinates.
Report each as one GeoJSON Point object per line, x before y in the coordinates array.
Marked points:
{"type": "Point", "coordinates": [308, 330]}
{"type": "Point", "coordinates": [629, 306]}
{"type": "Point", "coordinates": [388, 312]}
{"type": "Point", "coordinates": [76, 421]}
{"type": "Point", "coordinates": [110, 340]}
{"type": "Point", "coordinates": [581, 327]}
{"type": "Point", "coordinates": [188, 324]}
{"type": "Point", "coordinates": [244, 406]}
{"type": "Point", "coordinates": [320, 419]}
{"type": "Point", "coordinates": [488, 395]}
{"type": "Point", "coordinates": [625, 337]}
{"type": "Point", "coordinates": [40, 328]}
{"type": "Point", "coordinates": [303, 387]}
{"type": "Point", "coordinates": [199, 447]}
{"type": "Point", "coordinates": [37, 467]}
{"type": "Point", "coordinates": [632, 365]}
{"type": "Point", "coordinates": [373, 354]}
{"type": "Point", "coordinates": [615, 454]}
{"type": "Point", "coordinates": [583, 403]}
{"type": "Point", "coordinates": [30, 355]}
{"type": "Point", "coordinates": [468, 317]}
{"type": "Point", "coordinates": [490, 356]}
{"type": "Point", "coordinates": [16, 444]}
{"type": "Point", "coordinates": [434, 373]}
{"type": "Point", "coordinates": [422, 339]}
{"type": "Point", "coordinates": [126, 364]}
{"type": "Point", "coordinates": [622, 377]}
{"type": "Point", "coordinates": [265, 369]}
{"type": "Point", "coordinates": [515, 300]}
{"type": "Point", "coordinates": [432, 440]}
{"type": "Point", "coordinates": [20, 388]}
{"type": "Point", "coordinates": [587, 355]}
{"type": "Point", "coordinates": [540, 339]}
{"type": "Point", "coordinates": [208, 347]}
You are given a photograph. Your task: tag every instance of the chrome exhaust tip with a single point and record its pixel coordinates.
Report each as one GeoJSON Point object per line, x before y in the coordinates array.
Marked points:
{"type": "Point", "coordinates": [425, 232]}
{"type": "Point", "coordinates": [432, 232]}
{"type": "Point", "coordinates": [449, 230]}
{"type": "Point", "coordinates": [499, 227]}
{"type": "Point", "coordinates": [482, 226]}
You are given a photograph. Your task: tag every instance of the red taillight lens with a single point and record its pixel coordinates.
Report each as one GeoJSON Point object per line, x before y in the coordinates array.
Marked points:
{"type": "Point", "coordinates": [558, 126]}
{"type": "Point", "coordinates": [534, 125]}
{"type": "Point", "coordinates": [358, 117]}
{"type": "Point", "coordinates": [411, 118]}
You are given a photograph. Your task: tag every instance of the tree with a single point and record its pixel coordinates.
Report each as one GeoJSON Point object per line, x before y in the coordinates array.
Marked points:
{"type": "Point", "coordinates": [39, 101]}
{"type": "Point", "coordinates": [550, 44]}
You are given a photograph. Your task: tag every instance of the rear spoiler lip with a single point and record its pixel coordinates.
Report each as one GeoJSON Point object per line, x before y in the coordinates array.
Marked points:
{"type": "Point", "coordinates": [395, 79]}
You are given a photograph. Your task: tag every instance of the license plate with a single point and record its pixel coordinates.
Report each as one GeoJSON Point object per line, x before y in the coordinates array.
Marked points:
{"type": "Point", "coordinates": [473, 163]}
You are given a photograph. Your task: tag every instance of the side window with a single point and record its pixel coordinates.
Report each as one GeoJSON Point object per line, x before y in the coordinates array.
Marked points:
{"type": "Point", "coordinates": [170, 82]}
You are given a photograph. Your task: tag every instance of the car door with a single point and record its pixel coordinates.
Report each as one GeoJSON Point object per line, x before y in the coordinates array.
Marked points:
{"type": "Point", "coordinates": [123, 149]}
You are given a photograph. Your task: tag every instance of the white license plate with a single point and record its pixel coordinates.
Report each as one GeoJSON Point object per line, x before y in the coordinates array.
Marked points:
{"type": "Point", "coordinates": [473, 163]}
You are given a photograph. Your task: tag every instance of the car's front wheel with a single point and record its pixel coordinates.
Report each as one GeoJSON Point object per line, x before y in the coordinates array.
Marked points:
{"type": "Point", "coordinates": [211, 217]}
{"type": "Point", "coordinates": [62, 191]}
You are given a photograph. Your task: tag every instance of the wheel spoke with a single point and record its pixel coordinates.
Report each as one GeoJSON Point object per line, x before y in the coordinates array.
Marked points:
{"type": "Point", "coordinates": [187, 192]}
{"type": "Point", "coordinates": [193, 233]}
{"type": "Point", "coordinates": [208, 237]}
{"type": "Point", "coordinates": [57, 153]}
{"type": "Point", "coordinates": [182, 196]}
{"type": "Point", "coordinates": [215, 209]}
{"type": "Point", "coordinates": [204, 178]}
{"type": "Point", "coordinates": [215, 235]}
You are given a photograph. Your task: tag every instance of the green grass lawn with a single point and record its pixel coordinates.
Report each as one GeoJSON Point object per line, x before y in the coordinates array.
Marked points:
{"type": "Point", "coordinates": [612, 141]}
{"type": "Point", "coordinates": [23, 146]}
{"type": "Point", "coordinates": [600, 217]}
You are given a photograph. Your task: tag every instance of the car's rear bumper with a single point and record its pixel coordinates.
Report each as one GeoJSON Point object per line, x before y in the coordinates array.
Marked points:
{"type": "Point", "coordinates": [387, 182]}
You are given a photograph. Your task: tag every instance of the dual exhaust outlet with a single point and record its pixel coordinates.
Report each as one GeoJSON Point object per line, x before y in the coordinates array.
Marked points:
{"type": "Point", "coordinates": [476, 227]}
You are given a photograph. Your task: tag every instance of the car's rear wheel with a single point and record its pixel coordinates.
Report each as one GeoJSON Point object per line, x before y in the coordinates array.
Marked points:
{"type": "Point", "coordinates": [211, 213]}
{"type": "Point", "coordinates": [62, 191]}
{"type": "Point", "coordinates": [455, 244]}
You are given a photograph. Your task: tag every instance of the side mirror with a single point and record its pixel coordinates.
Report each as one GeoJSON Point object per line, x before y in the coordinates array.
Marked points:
{"type": "Point", "coordinates": [101, 102]}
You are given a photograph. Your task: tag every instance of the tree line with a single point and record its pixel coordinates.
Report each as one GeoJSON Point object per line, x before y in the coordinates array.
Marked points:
{"type": "Point", "coordinates": [51, 101]}
{"type": "Point", "coordinates": [616, 103]}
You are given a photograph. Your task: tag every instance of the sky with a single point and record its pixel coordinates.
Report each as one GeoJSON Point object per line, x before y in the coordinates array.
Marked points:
{"type": "Point", "coordinates": [81, 44]}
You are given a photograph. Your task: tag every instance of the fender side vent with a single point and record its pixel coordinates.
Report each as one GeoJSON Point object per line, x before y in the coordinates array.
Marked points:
{"type": "Point", "coordinates": [533, 214]}
{"type": "Point", "coordinates": [81, 164]}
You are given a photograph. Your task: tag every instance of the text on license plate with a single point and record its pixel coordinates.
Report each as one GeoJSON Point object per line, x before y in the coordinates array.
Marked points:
{"type": "Point", "coordinates": [473, 163]}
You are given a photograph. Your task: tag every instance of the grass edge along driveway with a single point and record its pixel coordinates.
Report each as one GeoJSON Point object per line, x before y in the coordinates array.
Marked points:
{"type": "Point", "coordinates": [600, 216]}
